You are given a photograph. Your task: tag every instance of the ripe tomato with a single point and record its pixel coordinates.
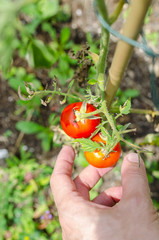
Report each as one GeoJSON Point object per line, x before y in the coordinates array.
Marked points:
{"type": "Point", "coordinates": [97, 159]}
{"type": "Point", "coordinates": [78, 129]}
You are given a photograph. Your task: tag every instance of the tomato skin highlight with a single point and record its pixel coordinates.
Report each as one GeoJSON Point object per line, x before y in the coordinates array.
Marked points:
{"type": "Point", "coordinates": [97, 159]}
{"type": "Point", "coordinates": [80, 129]}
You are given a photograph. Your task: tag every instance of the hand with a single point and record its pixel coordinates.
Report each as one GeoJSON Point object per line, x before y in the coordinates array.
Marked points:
{"type": "Point", "coordinates": [119, 213]}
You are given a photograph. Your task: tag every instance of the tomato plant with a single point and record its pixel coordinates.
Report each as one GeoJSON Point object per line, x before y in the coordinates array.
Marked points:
{"type": "Point", "coordinates": [98, 159]}
{"type": "Point", "coordinates": [75, 128]}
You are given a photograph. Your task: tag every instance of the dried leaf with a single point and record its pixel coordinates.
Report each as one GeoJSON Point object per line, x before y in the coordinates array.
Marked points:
{"type": "Point", "coordinates": [28, 89]}
{"type": "Point", "coordinates": [43, 102]}
{"type": "Point", "coordinates": [24, 98]}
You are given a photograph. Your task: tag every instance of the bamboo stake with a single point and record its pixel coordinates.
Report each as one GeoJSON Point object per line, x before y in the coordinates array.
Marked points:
{"type": "Point", "coordinates": [131, 29]}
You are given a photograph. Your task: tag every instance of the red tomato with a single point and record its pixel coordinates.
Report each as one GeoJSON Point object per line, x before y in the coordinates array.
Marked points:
{"type": "Point", "coordinates": [78, 129]}
{"type": "Point", "coordinates": [97, 159]}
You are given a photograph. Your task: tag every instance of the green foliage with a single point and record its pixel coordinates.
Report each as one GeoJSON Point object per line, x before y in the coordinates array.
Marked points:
{"type": "Point", "coordinates": [94, 45]}
{"type": "Point", "coordinates": [18, 76]}
{"type": "Point", "coordinates": [122, 96]}
{"type": "Point", "coordinates": [151, 139]}
{"type": "Point", "coordinates": [125, 109]}
{"type": "Point", "coordinates": [148, 14]}
{"type": "Point", "coordinates": [8, 25]}
{"type": "Point", "coordinates": [26, 201]}
{"type": "Point", "coordinates": [32, 14]}
{"type": "Point", "coordinates": [153, 38]}
{"type": "Point", "coordinates": [63, 71]}
{"type": "Point", "coordinates": [39, 55]}
{"type": "Point", "coordinates": [95, 190]}
{"type": "Point", "coordinates": [152, 169]}
{"type": "Point", "coordinates": [29, 127]}
{"type": "Point", "coordinates": [26, 18]}
{"type": "Point", "coordinates": [48, 9]}
{"type": "Point", "coordinates": [80, 160]}
{"type": "Point", "coordinates": [88, 145]}
{"type": "Point", "coordinates": [43, 133]}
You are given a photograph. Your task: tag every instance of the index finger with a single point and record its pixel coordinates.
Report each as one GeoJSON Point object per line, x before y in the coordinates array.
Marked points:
{"type": "Point", "coordinates": [61, 182]}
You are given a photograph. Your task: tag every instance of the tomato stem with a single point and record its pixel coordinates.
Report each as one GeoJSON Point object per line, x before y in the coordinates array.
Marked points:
{"type": "Point", "coordinates": [137, 148]}
{"type": "Point", "coordinates": [104, 46]}
{"type": "Point", "coordinates": [110, 120]}
{"type": "Point", "coordinates": [90, 114]}
{"type": "Point", "coordinates": [137, 111]}
{"type": "Point", "coordinates": [128, 131]}
{"type": "Point", "coordinates": [116, 12]}
{"type": "Point", "coordinates": [45, 92]}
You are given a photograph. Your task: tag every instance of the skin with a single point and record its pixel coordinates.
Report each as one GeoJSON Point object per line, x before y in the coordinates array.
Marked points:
{"type": "Point", "coordinates": [119, 213]}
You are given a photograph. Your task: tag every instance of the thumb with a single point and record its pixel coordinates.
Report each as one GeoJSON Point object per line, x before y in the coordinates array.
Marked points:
{"type": "Point", "coordinates": [134, 178]}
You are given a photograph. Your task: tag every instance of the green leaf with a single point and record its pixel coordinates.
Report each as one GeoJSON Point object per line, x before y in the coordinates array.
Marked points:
{"type": "Point", "coordinates": [94, 191]}
{"type": "Point", "coordinates": [48, 8]}
{"type": "Point", "coordinates": [40, 210]}
{"type": "Point", "coordinates": [131, 93]}
{"type": "Point", "coordinates": [44, 180]}
{"type": "Point", "coordinates": [63, 72]}
{"type": "Point", "coordinates": [30, 189]}
{"type": "Point", "coordinates": [152, 139]}
{"type": "Point", "coordinates": [8, 24]}
{"type": "Point", "coordinates": [81, 160]}
{"type": "Point", "coordinates": [46, 139]}
{"type": "Point", "coordinates": [65, 35]}
{"type": "Point", "coordinates": [46, 144]}
{"type": "Point", "coordinates": [28, 127]}
{"type": "Point", "coordinates": [155, 173]}
{"type": "Point", "coordinates": [40, 55]}
{"type": "Point", "coordinates": [106, 134]}
{"type": "Point", "coordinates": [70, 85]}
{"type": "Point", "coordinates": [88, 145]}
{"type": "Point", "coordinates": [123, 127]}
{"type": "Point", "coordinates": [125, 109]}
{"type": "Point", "coordinates": [54, 119]}
{"type": "Point", "coordinates": [47, 27]}
{"type": "Point", "coordinates": [92, 81]}
{"type": "Point", "coordinates": [150, 178]}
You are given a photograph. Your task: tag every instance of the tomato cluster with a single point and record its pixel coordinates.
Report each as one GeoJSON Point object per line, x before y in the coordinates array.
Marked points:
{"type": "Point", "coordinates": [83, 129]}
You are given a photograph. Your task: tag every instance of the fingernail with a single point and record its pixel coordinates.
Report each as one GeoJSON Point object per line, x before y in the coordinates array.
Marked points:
{"type": "Point", "coordinates": [133, 157]}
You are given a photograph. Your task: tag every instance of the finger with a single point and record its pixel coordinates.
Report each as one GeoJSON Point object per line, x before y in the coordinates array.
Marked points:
{"type": "Point", "coordinates": [134, 178]}
{"type": "Point", "coordinates": [109, 197]}
{"type": "Point", "coordinates": [88, 178]}
{"type": "Point", "coordinates": [61, 182]}
{"type": "Point", "coordinates": [64, 162]}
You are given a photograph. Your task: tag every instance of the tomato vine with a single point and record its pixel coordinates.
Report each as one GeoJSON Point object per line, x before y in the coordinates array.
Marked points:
{"type": "Point", "coordinates": [84, 124]}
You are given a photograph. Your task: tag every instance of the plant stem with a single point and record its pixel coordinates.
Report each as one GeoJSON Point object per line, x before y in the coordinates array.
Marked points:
{"type": "Point", "coordinates": [21, 134]}
{"type": "Point", "coordinates": [137, 111]}
{"type": "Point", "coordinates": [101, 65]}
{"type": "Point", "coordinates": [87, 115]}
{"type": "Point", "coordinates": [128, 131]}
{"type": "Point", "coordinates": [104, 44]}
{"type": "Point", "coordinates": [115, 131]}
{"type": "Point", "coordinates": [56, 92]}
{"type": "Point", "coordinates": [110, 120]}
{"type": "Point", "coordinates": [117, 134]}
{"type": "Point", "coordinates": [116, 12]}
{"type": "Point", "coordinates": [130, 144]}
